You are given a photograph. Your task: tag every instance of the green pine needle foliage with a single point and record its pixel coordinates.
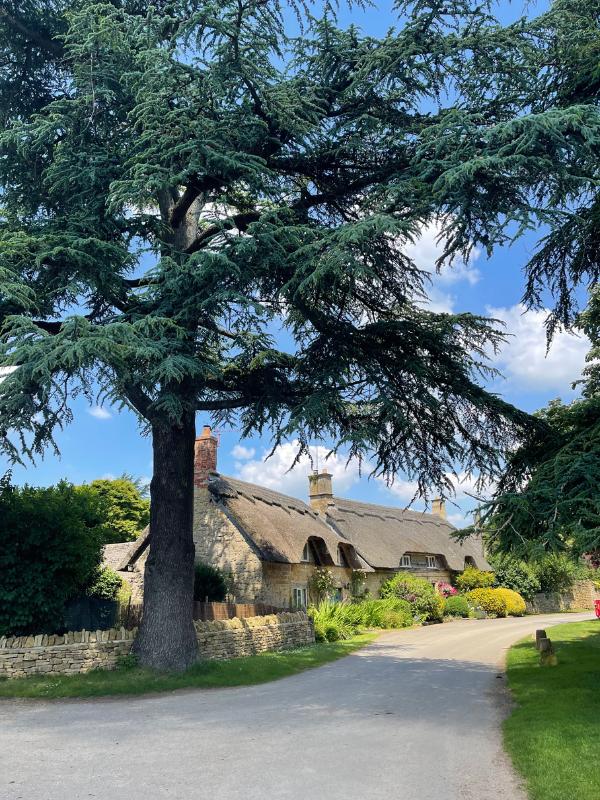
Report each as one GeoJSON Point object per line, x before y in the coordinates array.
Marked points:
{"type": "Point", "coordinates": [181, 181]}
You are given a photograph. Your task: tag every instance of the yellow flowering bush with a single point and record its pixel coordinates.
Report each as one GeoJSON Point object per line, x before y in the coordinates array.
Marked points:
{"type": "Point", "coordinates": [489, 600]}
{"type": "Point", "coordinates": [515, 604]}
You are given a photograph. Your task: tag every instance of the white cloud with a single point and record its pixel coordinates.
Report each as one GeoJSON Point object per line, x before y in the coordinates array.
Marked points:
{"type": "Point", "coordinates": [465, 488]}
{"type": "Point", "coordinates": [241, 453]}
{"type": "Point", "coordinates": [425, 252]}
{"type": "Point", "coordinates": [99, 413]}
{"type": "Point", "coordinates": [523, 360]}
{"type": "Point", "coordinates": [274, 472]}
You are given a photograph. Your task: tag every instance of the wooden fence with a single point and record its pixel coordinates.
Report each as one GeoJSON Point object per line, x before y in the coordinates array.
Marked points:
{"type": "Point", "coordinates": [131, 615]}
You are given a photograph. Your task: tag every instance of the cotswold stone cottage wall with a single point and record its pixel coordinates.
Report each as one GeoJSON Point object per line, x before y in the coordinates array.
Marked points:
{"type": "Point", "coordinates": [83, 651]}
{"type": "Point", "coordinates": [581, 597]}
{"type": "Point", "coordinates": [219, 542]}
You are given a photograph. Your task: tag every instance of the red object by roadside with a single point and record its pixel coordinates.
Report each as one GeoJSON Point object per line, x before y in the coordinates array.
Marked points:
{"type": "Point", "coordinates": [597, 608]}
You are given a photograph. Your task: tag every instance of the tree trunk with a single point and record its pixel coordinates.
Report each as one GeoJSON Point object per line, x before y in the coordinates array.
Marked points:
{"type": "Point", "coordinates": [167, 638]}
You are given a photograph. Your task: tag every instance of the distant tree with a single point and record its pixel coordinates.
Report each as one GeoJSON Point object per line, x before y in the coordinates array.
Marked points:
{"type": "Point", "coordinates": [127, 512]}
{"type": "Point", "coordinates": [50, 549]}
{"type": "Point", "coordinates": [548, 499]}
{"type": "Point", "coordinates": [181, 180]}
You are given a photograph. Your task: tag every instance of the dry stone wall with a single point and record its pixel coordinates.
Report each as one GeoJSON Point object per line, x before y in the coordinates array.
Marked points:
{"type": "Point", "coordinates": [68, 654]}
{"type": "Point", "coordinates": [232, 638]}
{"type": "Point", "coordinates": [82, 651]}
{"type": "Point", "coordinates": [581, 597]}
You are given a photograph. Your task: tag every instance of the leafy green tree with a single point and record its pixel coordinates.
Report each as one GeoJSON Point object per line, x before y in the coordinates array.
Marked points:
{"type": "Point", "coordinates": [127, 512]}
{"type": "Point", "coordinates": [183, 180]}
{"type": "Point", "coordinates": [50, 549]}
{"type": "Point", "coordinates": [513, 573]}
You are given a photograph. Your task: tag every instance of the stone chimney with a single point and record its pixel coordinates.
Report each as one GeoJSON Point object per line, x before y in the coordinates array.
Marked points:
{"type": "Point", "coordinates": [320, 490]}
{"type": "Point", "coordinates": [205, 457]}
{"type": "Point", "coordinates": [438, 507]}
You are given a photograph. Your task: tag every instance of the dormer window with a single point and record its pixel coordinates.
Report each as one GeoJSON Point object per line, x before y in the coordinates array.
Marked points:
{"type": "Point", "coordinates": [306, 553]}
{"type": "Point", "coordinates": [405, 561]}
{"type": "Point", "coordinates": [431, 562]}
{"type": "Point", "coordinates": [342, 561]}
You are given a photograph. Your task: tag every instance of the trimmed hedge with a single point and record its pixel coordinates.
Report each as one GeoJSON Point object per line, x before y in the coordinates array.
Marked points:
{"type": "Point", "coordinates": [457, 606]}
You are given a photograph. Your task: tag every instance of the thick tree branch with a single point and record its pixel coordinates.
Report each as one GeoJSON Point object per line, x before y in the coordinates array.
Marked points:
{"type": "Point", "coordinates": [239, 221]}
{"type": "Point", "coordinates": [191, 193]}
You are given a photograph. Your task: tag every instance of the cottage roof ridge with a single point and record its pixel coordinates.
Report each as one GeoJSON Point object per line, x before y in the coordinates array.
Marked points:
{"type": "Point", "coordinates": [360, 508]}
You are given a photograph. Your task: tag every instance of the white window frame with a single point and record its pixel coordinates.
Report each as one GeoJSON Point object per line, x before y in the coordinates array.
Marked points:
{"type": "Point", "coordinates": [405, 561]}
{"type": "Point", "coordinates": [306, 554]}
{"type": "Point", "coordinates": [431, 562]}
{"type": "Point", "coordinates": [300, 597]}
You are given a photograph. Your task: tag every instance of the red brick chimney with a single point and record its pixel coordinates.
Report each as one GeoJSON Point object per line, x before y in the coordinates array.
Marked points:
{"type": "Point", "coordinates": [205, 457]}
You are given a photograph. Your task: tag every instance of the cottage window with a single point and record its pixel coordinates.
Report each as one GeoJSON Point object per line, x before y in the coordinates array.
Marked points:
{"type": "Point", "coordinates": [431, 562]}
{"type": "Point", "coordinates": [306, 553]}
{"type": "Point", "coordinates": [405, 561]}
{"type": "Point", "coordinates": [299, 597]}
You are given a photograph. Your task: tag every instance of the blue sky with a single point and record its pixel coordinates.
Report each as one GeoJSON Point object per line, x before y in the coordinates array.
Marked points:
{"type": "Point", "coordinates": [104, 442]}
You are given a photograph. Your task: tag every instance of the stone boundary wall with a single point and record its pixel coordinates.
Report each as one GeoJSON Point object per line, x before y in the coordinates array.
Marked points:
{"type": "Point", "coordinates": [232, 638]}
{"type": "Point", "coordinates": [82, 651]}
{"type": "Point", "coordinates": [581, 597]}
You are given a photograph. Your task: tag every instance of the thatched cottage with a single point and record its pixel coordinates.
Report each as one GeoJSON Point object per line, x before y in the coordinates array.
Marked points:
{"type": "Point", "coordinates": [272, 543]}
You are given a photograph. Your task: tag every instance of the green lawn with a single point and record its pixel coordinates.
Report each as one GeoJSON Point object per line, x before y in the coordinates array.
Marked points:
{"type": "Point", "coordinates": [553, 735]}
{"type": "Point", "coordinates": [207, 674]}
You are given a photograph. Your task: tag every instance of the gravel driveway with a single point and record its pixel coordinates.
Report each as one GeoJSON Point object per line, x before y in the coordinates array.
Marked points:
{"type": "Point", "coordinates": [414, 716]}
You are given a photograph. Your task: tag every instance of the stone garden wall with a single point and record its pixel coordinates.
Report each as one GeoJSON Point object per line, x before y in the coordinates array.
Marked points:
{"type": "Point", "coordinates": [580, 598]}
{"type": "Point", "coordinates": [82, 651]}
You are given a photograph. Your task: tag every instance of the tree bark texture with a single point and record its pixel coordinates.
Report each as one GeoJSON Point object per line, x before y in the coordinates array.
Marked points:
{"type": "Point", "coordinates": [167, 638]}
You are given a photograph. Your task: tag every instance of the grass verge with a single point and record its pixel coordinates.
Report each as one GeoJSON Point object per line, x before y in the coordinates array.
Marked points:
{"type": "Point", "coordinates": [204, 675]}
{"type": "Point", "coordinates": [553, 735]}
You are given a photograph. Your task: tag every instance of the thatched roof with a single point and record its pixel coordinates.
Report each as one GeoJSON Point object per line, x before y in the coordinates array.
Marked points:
{"type": "Point", "coordinates": [279, 526]}
{"type": "Point", "coordinates": [122, 555]}
{"type": "Point", "coordinates": [382, 535]}
{"type": "Point", "coordinates": [114, 554]}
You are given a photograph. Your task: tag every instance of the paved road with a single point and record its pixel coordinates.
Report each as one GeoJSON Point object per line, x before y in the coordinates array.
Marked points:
{"type": "Point", "coordinates": [414, 716]}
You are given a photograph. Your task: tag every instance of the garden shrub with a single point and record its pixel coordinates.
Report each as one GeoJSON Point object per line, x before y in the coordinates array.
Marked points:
{"type": "Point", "coordinates": [391, 612]}
{"type": "Point", "coordinates": [556, 573]}
{"type": "Point", "coordinates": [209, 583]}
{"type": "Point", "coordinates": [445, 589]}
{"type": "Point", "coordinates": [473, 578]}
{"type": "Point", "coordinates": [358, 587]}
{"type": "Point", "coordinates": [425, 602]}
{"type": "Point", "coordinates": [333, 621]}
{"type": "Point", "coordinates": [489, 600]}
{"type": "Point", "coordinates": [512, 573]}
{"type": "Point", "coordinates": [515, 604]}
{"type": "Point", "coordinates": [50, 549]}
{"type": "Point", "coordinates": [457, 606]}
{"type": "Point", "coordinates": [321, 584]}
{"type": "Point", "coordinates": [105, 584]}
